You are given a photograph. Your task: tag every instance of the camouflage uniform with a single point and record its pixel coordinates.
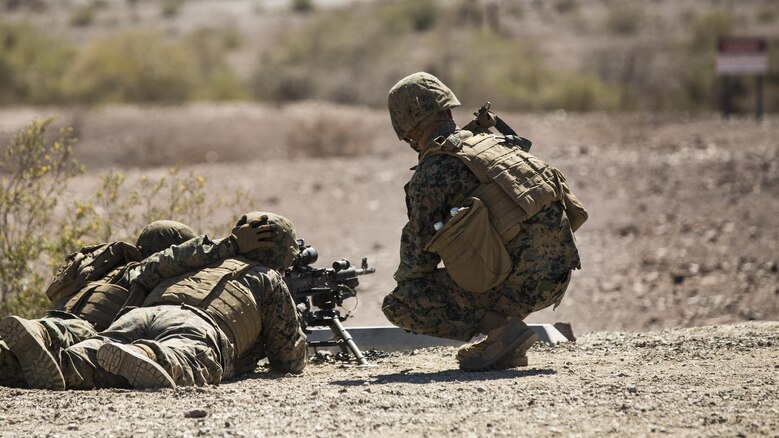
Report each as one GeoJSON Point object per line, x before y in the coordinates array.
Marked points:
{"type": "Point", "coordinates": [189, 344]}
{"type": "Point", "coordinates": [189, 337]}
{"type": "Point", "coordinates": [79, 316]}
{"type": "Point", "coordinates": [426, 300]}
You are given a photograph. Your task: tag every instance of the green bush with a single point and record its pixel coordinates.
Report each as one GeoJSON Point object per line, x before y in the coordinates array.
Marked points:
{"type": "Point", "coordinates": [133, 66]}
{"type": "Point", "coordinates": [214, 76]}
{"type": "Point", "coordinates": [33, 5]}
{"type": "Point", "coordinates": [566, 6]}
{"type": "Point", "coordinates": [767, 15]}
{"type": "Point", "coordinates": [302, 5]}
{"type": "Point", "coordinates": [35, 171]}
{"type": "Point", "coordinates": [142, 66]}
{"type": "Point", "coordinates": [82, 16]}
{"type": "Point", "coordinates": [709, 27]}
{"type": "Point", "coordinates": [306, 65]}
{"type": "Point", "coordinates": [624, 18]}
{"type": "Point", "coordinates": [170, 8]}
{"type": "Point", "coordinates": [362, 63]}
{"type": "Point", "coordinates": [526, 83]}
{"type": "Point", "coordinates": [699, 87]}
{"type": "Point", "coordinates": [416, 15]}
{"type": "Point", "coordinates": [31, 65]}
{"type": "Point", "coordinates": [118, 212]}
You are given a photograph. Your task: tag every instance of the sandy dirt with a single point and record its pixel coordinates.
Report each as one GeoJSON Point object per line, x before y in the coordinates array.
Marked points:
{"type": "Point", "coordinates": [706, 381]}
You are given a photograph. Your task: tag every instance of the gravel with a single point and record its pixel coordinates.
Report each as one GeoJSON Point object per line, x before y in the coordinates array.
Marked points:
{"type": "Point", "coordinates": [705, 381]}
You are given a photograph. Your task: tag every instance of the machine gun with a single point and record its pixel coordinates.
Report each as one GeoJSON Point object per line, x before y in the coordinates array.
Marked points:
{"type": "Point", "coordinates": [483, 119]}
{"type": "Point", "coordinates": [318, 291]}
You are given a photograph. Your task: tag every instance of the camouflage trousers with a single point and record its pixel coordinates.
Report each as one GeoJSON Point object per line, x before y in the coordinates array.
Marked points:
{"type": "Point", "coordinates": [64, 329]}
{"type": "Point", "coordinates": [187, 344]}
{"type": "Point", "coordinates": [543, 255]}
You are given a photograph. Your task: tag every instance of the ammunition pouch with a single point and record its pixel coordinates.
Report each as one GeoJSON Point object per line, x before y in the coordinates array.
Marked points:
{"type": "Point", "coordinates": [515, 185]}
{"type": "Point", "coordinates": [574, 209]}
{"type": "Point", "coordinates": [98, 303]}
{"type": "Point", "coordinates": [471, 249]}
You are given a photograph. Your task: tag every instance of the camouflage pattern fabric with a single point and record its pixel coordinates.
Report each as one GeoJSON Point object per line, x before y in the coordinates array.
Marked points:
{"type": "Point", "coordinates": [187, 344]}
{"type": "Point", "coordinates": [281, 338]}
{"type": "Point", "coordinates": [427, 301]}
{"type": "Point", "coordinates": [415, 98]}
{"type": "Point", "coordinates": [64, 329]}
{"type": "Point", "coordinates": [159, 235]}
{"type": "Point", "coordinates": [281, 249]}
{"type": "Point", "coordinates": [278, 313]}
{"type": "Point", "coordinates": [177, 260]}
{"type": "Point", "coordinates": [255, 293]}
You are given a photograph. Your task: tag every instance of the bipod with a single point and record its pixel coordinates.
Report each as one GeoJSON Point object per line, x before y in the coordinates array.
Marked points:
{"type": "Point", "coordinates": [342, 339]}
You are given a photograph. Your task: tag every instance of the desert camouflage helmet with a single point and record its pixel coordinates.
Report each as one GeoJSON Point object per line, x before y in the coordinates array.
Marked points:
{"type": "Point", "coordinates": [416, 97]}
{"type": "Point", "coordinates": [159, 235]}
{"type": "Point", "coordinates": [281, 256]}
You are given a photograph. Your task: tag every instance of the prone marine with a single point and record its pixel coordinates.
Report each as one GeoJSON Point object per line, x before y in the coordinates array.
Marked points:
{"type": "Point", "coordinates": [209, 310]}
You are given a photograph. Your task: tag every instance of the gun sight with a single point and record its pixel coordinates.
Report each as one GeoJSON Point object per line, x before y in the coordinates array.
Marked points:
{"type": "Point", "coordinates": [307, 255]}
{"type": "Point", "coordinates": [340, 265]}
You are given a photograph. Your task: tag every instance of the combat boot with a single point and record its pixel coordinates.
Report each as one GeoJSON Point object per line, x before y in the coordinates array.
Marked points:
{"type": "Point", "coordinates": [502, 343]}
{"type": "Point", "coordinates": [136, 363]}
{"type": "Point", "coordinates": [30, 341]}
{"type": "Point", "coordinates": [517, 358]}
{"type": "Point", "coordinates": [490, 321]}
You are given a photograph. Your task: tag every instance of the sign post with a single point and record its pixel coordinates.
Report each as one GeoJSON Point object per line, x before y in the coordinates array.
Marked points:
{"type": "Point", "coordinates": [742, 56]}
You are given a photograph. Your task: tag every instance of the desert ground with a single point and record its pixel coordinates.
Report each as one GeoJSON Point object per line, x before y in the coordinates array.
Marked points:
{"type": "Point", "coordinates": [706, 381]}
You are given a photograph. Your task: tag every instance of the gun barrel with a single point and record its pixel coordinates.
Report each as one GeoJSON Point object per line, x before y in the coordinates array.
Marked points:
{"type": "Point", "coordinates": [354, 272]}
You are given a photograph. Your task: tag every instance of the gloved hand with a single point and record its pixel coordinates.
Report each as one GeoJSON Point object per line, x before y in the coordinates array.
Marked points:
{"type": "Point", "coordinates": [254, 236]}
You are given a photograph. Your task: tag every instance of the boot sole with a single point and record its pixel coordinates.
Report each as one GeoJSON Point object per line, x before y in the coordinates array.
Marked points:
{"type": "Point", "coordinates": [523, 342]}
{"type": "Point", "coordinates": [40, 369]}
{"type": "Point", "coordinates": [141, 372]}
{"type": "Point", "coordinates": [512, 360]}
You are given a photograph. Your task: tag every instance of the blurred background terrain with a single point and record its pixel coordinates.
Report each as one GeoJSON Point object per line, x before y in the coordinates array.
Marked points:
{"type": "Point", "coordinates": [200, 110]}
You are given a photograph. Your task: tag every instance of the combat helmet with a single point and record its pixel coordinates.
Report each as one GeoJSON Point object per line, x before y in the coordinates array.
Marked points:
{"type": "Point", "coordinates": [280, 255]}
{"type": "Point", "coordinates": [159, 235]}
{"type": "Point", "coordinates": [416, 97]}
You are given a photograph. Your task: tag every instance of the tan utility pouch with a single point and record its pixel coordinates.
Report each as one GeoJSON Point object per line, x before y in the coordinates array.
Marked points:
{"type": "Point", "coordinates": [471, 249]}
{"type": "Point", "coordinates": [574, 209]}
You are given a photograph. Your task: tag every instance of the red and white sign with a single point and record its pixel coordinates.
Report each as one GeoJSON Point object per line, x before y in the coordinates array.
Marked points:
{"type": "Point", "coordinates": [742, 55]}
